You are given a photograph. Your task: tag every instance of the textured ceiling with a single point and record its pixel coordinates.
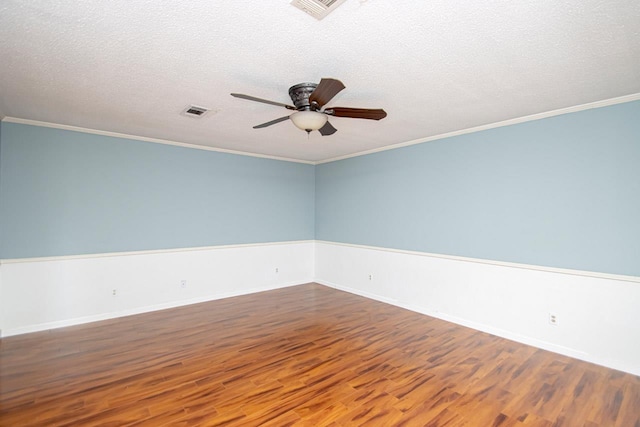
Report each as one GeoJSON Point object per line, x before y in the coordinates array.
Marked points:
{"type": "Point", "coordinates": [131, 66]}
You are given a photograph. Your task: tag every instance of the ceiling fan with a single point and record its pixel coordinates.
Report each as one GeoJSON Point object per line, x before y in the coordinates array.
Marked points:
{"type": "Point", "coordinates": [309, 100]}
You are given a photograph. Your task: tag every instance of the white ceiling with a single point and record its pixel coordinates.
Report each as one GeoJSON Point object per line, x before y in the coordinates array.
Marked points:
{"type": "Point", "coordinates": [437, 66]}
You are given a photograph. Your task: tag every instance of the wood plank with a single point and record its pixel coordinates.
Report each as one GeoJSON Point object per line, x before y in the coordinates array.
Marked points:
{"type": "Point", "coordinates": [305, 356]}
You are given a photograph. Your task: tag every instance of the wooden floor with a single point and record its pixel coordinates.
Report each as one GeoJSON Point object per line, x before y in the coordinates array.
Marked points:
{"type": "Point", "coordinates": [306, 355]}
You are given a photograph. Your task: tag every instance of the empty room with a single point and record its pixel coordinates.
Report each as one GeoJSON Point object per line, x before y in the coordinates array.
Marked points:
{"type": "Point", "coordinates": [320, 213]}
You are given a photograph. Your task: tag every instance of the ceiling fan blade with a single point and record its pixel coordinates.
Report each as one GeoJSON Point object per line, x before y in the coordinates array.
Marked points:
{"type": "Point", "coordinates": [264, 101]}
{"type": "Point", "coordinates": [272, 122]}
{"type": "Point", "coordinates": [326, 89]}
{"type": "Point", "coordinates": [327, 129]}
{"type": "Point", "coordinates": [357, 113]}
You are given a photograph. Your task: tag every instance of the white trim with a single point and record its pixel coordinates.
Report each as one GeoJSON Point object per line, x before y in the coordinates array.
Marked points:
{"type": "Point", "coordinates": [597, 315]}
{"type": "Point", "coordinates": [137, 310]}
{"type": "Point", "coordinates": [538, 116]}
{"type": "Point", "coordinates": [464, 322]}
{"type": "Point", "coordinates": [572, 272]}
{"type": "Point", "coordinates": [147, 252]}
{"type": "Point", "coordinates": [64, 291]}
{"type": "Point", "coordinates": [147, 139]}
{"type": "Point", "coordinates": [523, 339]}
{"type": "Point", "coordinates": [593, 274]}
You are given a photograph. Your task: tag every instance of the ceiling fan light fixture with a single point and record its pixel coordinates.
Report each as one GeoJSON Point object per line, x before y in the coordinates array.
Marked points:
{"type": "Point", "coordinates": [308, 120]}
{"type": "Point", "coordinates": [309, 101]}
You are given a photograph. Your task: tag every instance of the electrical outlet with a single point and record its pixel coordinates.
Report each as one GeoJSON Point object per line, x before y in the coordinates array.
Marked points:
{"type": "Point", "coordinates": [553, 319]}
{"type": "Point", "coordinates": [113, 292]}
{"type": "Point", "coordinates": [183, 284]}
{"type": "Point", "coordinates": [370, 276]}
{"type": "Point", "coordinates": [277, 270]}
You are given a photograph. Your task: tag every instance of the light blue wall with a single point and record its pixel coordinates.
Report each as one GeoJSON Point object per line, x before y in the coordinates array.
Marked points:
{"type": "Point", "coordinates": [67, 193]}
{"type": "Point", "coordinates": [559, 192]}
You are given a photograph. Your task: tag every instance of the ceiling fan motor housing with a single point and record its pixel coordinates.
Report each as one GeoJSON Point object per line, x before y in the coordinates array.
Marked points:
{"type": "Point", "coordinates": [300, 95]}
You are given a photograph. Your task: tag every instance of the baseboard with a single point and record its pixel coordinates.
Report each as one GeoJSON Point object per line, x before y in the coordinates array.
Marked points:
{"type": "Point", "coordinates": [139, 310]}
{"type": "Point", "coordinates": [597, 316]}
{"type": "Point", "coordinates": [40, 294]}
{"type": "Point", "coordinates": [544, 345]}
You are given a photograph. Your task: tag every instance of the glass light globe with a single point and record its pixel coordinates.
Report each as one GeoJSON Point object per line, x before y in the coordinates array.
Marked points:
{"type": "Point", "coordinates": [308, 120]}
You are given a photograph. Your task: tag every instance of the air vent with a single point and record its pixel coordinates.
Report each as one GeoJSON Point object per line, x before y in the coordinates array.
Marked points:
{"type": "Point", "coordinates": [317, 8]}
{"type": "Point", "coordinates": [194, 111]}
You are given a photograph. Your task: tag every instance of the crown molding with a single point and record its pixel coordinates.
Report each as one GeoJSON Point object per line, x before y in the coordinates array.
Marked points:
{"type": "Point", "coordinates": [147, 139]}
{"type": "Point", "coordinates": [523, 119]}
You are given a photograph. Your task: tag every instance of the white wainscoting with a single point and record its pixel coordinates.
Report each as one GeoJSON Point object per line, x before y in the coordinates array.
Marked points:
{"type": "Point", "coordinates": [45, 293]}
{"type": "Point", "coordinates": [598, 318]}
{"type": "Point", "coordinates": [598, 314]}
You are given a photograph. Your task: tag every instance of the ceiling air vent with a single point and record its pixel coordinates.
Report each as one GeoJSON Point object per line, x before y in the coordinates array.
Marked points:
{"type": "Point", "coordinates": [194, 111]}
{"type": "Point", "coordinates": [317, 8]}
